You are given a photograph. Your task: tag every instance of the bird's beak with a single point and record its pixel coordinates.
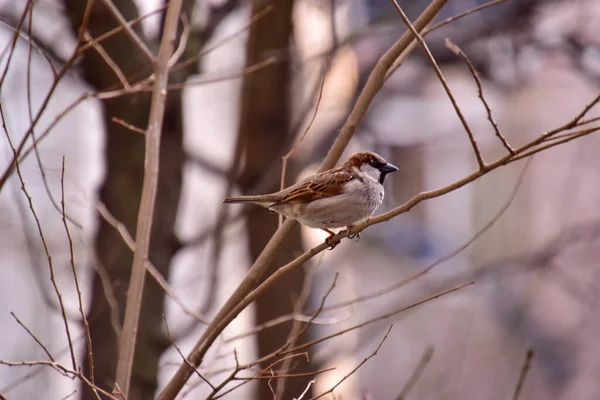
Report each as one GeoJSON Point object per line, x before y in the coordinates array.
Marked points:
{"type": "Point", "coordinates": [388, 168]}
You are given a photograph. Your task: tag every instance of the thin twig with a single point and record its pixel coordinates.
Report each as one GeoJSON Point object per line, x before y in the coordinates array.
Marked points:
{"type": "Point", "coordinates": [109, 61]}
{"type": "Point", "coordinates": [412, 381]}
{"type": "Point", "coordinates": [43, 240]}
{"type": "Point", "coordinates": [295, 145]}
{"type": "Point", "coordinates": [379, 318]}
{"type": "Point", "coordinates": [127, 27]}
{"type": "Point", "coordinates": [59, 75]}
{"type": "Point", "coordinates": [374, 83]}
{"type": "Point", "coordinates": [63, 371]}
{"type": "Point", "coordinates": [373, 354]}
{"type": "Point", "coordinates": [30, 116]}
{"type": "Point", "coordinates": [69, 395]}
{"type": "Point", "coordinates": [255, 18]}
{"type": "Point", "coordinates": [310, 383]}
{"type": "Point", "coordinates": [128, 125]}
{"type": "Point", "coordinates": [298, 329]}
{"type": "Point", "coordinates": [453, 47]}
{"type": "Point", "coordinates": [185, 35]}
{"type": "Point", "coordinates": [461, 15]}
{"type": "Point", "coordinates": [183, 356]}
{"type": "Point", "coordinates": [310, 123]}
{"type": "Point", "coordinates": [37, 340]}
{"type": "Point", "coordinates": [524, 370]}
{"type": "Point", "coordinates": [152, 270]}
{"type": "Point", "coordinates": [148, 199]}
{"type": "Point", "coordinates": [84, 320]}
{"type": "Point", "coordinates": [205, 81]}
{"type": "Point", "coordinates": [440, 76]}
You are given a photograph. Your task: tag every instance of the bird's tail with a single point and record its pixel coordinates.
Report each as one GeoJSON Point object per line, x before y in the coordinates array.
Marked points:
{"type": "Point", "coordinates": [249, 199]}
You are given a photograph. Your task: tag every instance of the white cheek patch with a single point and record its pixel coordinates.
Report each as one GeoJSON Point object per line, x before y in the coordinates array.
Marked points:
{"type": "Point", "coordinates": [371, 172]}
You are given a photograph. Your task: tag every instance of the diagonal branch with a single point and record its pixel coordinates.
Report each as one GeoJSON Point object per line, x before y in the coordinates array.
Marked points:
{"type": "Point", "coordinates": [262, 263]}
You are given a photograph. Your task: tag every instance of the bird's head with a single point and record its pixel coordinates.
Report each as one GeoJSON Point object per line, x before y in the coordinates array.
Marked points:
{"type": "Point", "coordinates": [371, 164]}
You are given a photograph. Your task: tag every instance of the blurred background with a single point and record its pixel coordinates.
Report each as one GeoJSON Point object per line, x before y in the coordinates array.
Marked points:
{"type": "Point", "coordinates": [534, 230]}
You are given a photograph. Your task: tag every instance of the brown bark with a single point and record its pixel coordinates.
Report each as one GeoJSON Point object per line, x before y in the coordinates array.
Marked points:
{"type": "Point", "coordinates": [263, 130]}
{"type": "Point", "coordinates": [121, 191]}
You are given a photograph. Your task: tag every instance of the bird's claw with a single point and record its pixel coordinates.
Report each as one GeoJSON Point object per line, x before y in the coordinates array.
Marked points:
{"type": "Point", "coordinates": [329, 242]}
{"type": "Point", "coordinates": [351, 235]}
{"type": "Point", "coordinates": [354, 236]}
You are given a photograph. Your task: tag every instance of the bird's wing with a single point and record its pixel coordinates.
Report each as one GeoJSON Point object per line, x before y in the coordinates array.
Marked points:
{"type": "Point", "coordinates": [327, 184]}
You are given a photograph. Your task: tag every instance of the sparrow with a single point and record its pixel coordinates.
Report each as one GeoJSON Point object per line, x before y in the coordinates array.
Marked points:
{"type": "Point", "coordinates": [336, 198]}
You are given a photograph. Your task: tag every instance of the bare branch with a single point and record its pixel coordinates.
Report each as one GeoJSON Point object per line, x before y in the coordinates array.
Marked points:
{"type": "Point", "coordinates": [84, 320]}
{"type": "Point", "coordinates": [38, 341]}
{"type": "Point", "coordinates": [374, 83]}
{"type": "Point", "coordinates": [412, 381]}
{"type": "Point", "coordinates": [43, 239]}
{"type": "Point", "coordinates": [265, 11]}
{"type": "Point", "coordinates": [183, 356]}
{"type": "Point", "coordinates": [127, 27]}
{"type": "Point", "coordinates": [109, 61]}
{"type": "Point", "coordinates": [459, 16]}
{"type": "Point", "coordinates": [438, 72]}
{"type": "Point", "coordinates": [488, 110]}
{"type": "Point", "coordinates": [146, 211]}
{"type": "Point", "coordinates": [523, 374]}
{"type": "Point", "coordinates": [63, 371]}
{"type": "Point", "coordinates": [155, 273]}
{"type": "Point", "coordinates": [373, 354]}
{"type": "Point", "coordinates": [310, 383]}
{"type": "Point", "coordinates": [378, 318]}
{"type": "Point", "coordinates": [119, 28]}
{"type": "Point", "coordinates": [129, 126]}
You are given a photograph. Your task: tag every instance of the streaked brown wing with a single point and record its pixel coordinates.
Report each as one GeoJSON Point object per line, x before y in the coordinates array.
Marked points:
{"type": "Point", "coordinates": [328, 184]}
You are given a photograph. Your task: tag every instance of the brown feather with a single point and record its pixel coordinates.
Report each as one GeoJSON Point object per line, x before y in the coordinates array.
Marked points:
{"type": "Point", "coordinates": [327, 184]}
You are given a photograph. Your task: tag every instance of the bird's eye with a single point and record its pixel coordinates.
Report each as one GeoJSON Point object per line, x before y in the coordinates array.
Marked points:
{"type": "Point", "coordinates": [376, 164]}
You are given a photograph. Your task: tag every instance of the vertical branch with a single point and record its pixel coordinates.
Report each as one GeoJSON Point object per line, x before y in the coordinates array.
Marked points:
{"type": "Point", "coordinates": [43, 239]}
{"type": "Point", "coordinates": [86, 326]}
{"type": "Point", "coordinates": [146, 211]}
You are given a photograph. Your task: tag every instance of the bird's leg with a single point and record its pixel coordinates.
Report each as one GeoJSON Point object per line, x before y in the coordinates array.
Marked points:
{"type": "Point", "coordinates": [352, 235]}
{"type": "Point", "coordinates": [328, 239]}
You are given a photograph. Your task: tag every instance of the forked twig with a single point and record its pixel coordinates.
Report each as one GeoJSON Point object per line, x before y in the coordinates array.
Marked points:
{"type": "Point", "coordinates": [43, 240]}
{"type": "Point", "coordinates": [488, 110]}
{"type": "Point", "coordinates": [373, 354]}
{"type": "Point", "coordinates": [442, 80]}
{"type": "Point", "coordinates": [127, 27]}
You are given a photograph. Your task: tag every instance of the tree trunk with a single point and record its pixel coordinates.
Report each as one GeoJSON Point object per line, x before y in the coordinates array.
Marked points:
{"type": "Point", "coordinates": [121, 193]}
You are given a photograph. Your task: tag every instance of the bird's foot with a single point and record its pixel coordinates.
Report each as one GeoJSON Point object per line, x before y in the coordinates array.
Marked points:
{"type": "Point", "coordinates": [353, 235]}
{"type": "Point", "coordinates": [329, 241]}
